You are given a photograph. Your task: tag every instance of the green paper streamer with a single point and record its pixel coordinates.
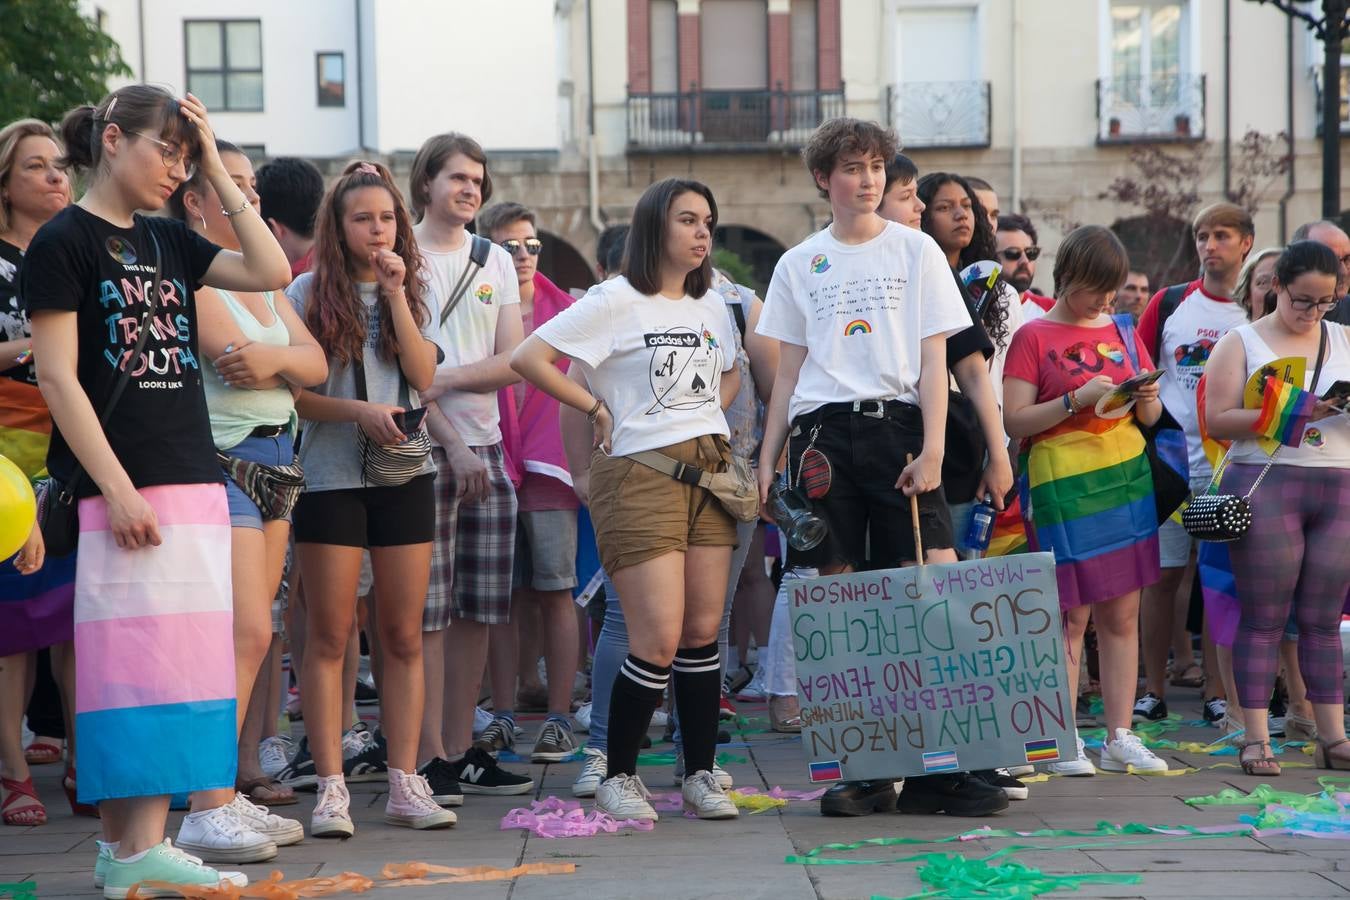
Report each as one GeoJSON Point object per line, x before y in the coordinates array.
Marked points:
{"type": "Point", "coordinates": [1264, 795]}
{"type": "Point", "coordinates": [668, 759]}
{"type": "Point", "coordinates": [954, 877]}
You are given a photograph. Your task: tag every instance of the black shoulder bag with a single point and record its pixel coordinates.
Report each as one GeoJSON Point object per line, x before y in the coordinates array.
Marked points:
{"type": "Point", "coordinates": [58, 514]}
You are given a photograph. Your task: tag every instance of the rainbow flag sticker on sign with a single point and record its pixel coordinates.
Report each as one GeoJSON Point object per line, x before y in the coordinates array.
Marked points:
{"type": "Point", "coordinates": [1042, 751]}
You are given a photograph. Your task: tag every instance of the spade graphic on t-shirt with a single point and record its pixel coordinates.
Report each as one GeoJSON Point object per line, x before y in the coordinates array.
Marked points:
{"type": "Point", "coordinates": [683, 366]}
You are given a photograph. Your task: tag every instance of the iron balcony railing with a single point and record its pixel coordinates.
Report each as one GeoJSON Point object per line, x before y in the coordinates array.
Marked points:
{"type": "Point", "coordinates": [728, 120]}
{"type": "Point", "coordinates": [940, 113]}
{"type": "Point", "coordinates": [1151, 108]}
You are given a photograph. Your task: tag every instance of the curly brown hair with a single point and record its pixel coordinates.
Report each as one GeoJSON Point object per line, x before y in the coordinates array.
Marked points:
{"type": "Point", "coordinates": [843, 135]}
{"type": "Point", "coordinates": [335, 314]}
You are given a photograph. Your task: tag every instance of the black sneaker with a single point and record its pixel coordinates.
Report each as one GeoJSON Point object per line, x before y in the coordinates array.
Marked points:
{"type": "Point", "coordinates": [365, 694]}
{"type": "Point", "coordinates": [1002, 779]}
{"type": "Point", "coordinates": [499, 735]}
{"type": "Point", "coordinates": [555, 743]}
{"type": "Point", "coordinates": [858, 798]}
{"type": "Point", "coordinates": [956, 795]}
{"type": "Point", "coordinates": [478, 773]}
{"type": "Point", "coordinates": [299, 773]}
{"type": "Point", "coordinates": [1150, 708]}
{"type": "Point", "coordinates": [371, 763]}
{"type": "Point", "coordinates": [1215, 709]}
{"type": "Point", "coordinates": [737, 679]}
{"type": "Point", "coordinates": [440, 774]}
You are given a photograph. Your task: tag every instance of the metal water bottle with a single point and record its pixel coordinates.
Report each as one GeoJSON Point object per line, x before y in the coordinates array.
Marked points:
{"type": "Point", "coordinates": [981, 527]}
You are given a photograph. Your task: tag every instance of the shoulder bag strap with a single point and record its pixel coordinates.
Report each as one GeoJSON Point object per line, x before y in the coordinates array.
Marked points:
{"type": "Point", "coordinates": [359, 376]}
{"type": "Point", "coordinates": [478, 256]}
{"type": "Point", "coordinates": [654, 459]}
{"type": "Point", "coordinates": [124, 373]}
{"type": "Point", "coordinates": [1125, 325]}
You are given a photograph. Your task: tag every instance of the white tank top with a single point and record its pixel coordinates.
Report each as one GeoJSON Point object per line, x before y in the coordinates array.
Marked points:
{"type": "Point", "coordinates": [1326, 442]}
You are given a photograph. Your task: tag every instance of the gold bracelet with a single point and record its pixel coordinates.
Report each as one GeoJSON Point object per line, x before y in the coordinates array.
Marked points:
{"type": "Point", "coordinates": [228, 213]}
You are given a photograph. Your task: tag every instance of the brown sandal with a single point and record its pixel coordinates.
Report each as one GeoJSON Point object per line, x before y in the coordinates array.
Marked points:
{"type": "Point", "coordinates": [266, 791]}
{"type": "Point", "coordinates": [1322, 756]}
{"type": "Point", "coordinates": [1261, 765]}
{"type": "Point", "coordinates": [1190, 677]}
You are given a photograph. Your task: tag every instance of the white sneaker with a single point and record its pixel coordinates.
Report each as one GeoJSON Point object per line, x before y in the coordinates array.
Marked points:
{"type": "Point", "coordinates": [625, 797]}
{"type": "Point", "coordinates": [660, 719]}
{"type": "Point", "coordinates": [355, 740]}
{"type": "Point", "coordinates": [704, 797]}
{"type": "Point", "coordinates": [723, 777]}
{"type": "Point", "coordinates": [592, 773]}
{"type": "Point", "coordinates": [282, 831]}
{"type": "Point", "coordinates": [331, 817]}
{"type": "Point", "coordinates": [481, 720]}
{"type": "Point", "coordinates": [274, 753]}
{"type": "Point", "coordinates": [1080, 767]}
{"type": "Point", "coordinates": [583, 718]}
{"type": "Point", "coordinates": [1126, 753]}
{"type": "Point", "coordinates": [411, 804]}
{"type": "Point", "coordinates": [218, 835]}
{"type": "Point", "coordinates": [1021, 771]}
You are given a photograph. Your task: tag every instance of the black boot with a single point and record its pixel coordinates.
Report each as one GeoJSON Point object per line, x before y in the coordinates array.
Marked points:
{"type": "Point", "coordinates": [858, 798]}
{"type": "Point", "coordinates": [957, 794]}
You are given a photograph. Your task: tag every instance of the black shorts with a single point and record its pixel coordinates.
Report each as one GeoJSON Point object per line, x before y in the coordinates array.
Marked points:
{"type": "Point", "coordinates": [368, 516]}
{"type": "Point", "coordinates": [869, 518]}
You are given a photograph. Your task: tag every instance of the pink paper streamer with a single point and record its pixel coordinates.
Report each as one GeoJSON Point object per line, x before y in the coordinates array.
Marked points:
{"type": "Point", "coordinates": [556, 818]}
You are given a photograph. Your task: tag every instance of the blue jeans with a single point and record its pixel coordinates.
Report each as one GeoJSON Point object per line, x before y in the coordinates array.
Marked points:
{"type": "Point", "coordinates": [611, 647]}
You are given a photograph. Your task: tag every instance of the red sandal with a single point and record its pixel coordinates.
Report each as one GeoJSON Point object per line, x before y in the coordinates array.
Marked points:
{"type": "Point", "coordinates": [76, 807]}
{"type": "Point", "coordinates": [42, 753]}
{"type": "Point", "coordinates": [33, 813]}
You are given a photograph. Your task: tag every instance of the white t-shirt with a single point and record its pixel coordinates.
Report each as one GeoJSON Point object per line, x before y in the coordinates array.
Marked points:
{"type": "Point", "coordinates": [470, 333]}
{"type": "Point", "coordinates": [861, 311]}
{"type": "Point", "coordinates": [657, 363]}
{"type": "Point", "coordinates": [1188, 337]}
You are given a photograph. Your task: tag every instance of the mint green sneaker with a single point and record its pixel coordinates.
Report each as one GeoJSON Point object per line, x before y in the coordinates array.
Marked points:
{"type": "Point", "coordinates": [167, 864]}
{"type": "Point", "coordinates": [105, 856]}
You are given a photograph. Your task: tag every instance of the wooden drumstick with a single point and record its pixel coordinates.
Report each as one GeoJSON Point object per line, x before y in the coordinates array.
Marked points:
{"type": "Point", "coordinates": [914, 514]}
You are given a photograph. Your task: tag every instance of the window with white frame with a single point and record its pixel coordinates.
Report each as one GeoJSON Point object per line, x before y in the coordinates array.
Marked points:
{"type": "Point", "coordinates": [1148, 87]}
{"type": "Point", "coordinates": [224, 63]}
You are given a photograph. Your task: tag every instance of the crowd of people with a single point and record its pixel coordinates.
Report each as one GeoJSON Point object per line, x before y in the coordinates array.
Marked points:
{"type": "Point", "coordinates": [347, 422]}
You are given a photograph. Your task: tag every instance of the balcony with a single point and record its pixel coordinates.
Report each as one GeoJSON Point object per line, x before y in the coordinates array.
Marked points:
{"type": "Point", "coordinates": [1151, 110]}
{"type": "Point", "coordinates": [699, 120]}
{"type": "Point", "coordinates": [950, 114]}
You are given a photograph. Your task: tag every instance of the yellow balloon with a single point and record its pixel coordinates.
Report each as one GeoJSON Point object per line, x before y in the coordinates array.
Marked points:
{"type": "Point", "coordinates": [18, 508]}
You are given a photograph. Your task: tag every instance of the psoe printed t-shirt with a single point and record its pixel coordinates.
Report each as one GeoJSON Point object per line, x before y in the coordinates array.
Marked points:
{"type": "Point", "coordinates": [470, 333]}
{"type": "Point", "coordinates": [861, 311]}
{"type": "Point", "coordinates": [656, 362]}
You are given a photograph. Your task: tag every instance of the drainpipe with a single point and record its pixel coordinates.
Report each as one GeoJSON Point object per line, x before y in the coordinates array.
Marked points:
{"type": "Point", "coordinates": [1289, 126]}
{"type": "Point", "coordinates": [1227, 100]}
{"type": "Point", "coordinates": [360, 82]}
{"type": "Point", "coordinates": [592, 153]}
{"type": "Point", "coordinates": [1016, 82]}
{"type": "Point", "coordinates": [140, 28]}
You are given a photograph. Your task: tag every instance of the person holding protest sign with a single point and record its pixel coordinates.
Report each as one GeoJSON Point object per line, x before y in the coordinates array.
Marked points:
{"type": "Point", "coordinates": [1091, 486]}
{"type": "Point", "coordinates": [862, 385]}
{"type": "Point", "coordinates": [654, 346]}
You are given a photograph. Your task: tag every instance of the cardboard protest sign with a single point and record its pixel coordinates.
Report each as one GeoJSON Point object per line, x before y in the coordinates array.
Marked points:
{"type": "Point", "coordinates": [939, 668]}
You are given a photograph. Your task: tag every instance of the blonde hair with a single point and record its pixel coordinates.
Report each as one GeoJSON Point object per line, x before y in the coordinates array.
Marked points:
{"type": "Point", "coordinates": [1242, 294]}
{"type": "Point", "coordinates": [10, 136]}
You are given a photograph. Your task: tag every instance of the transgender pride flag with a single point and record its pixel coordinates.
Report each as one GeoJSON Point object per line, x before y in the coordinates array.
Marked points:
{"type": "Point", "coordinates": [154, 650]}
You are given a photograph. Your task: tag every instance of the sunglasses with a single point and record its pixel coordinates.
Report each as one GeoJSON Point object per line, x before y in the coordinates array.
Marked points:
{"type": "Point", "coordinates": [1013, 254]}
{"type": "Point", "coordinates": [532, 246]}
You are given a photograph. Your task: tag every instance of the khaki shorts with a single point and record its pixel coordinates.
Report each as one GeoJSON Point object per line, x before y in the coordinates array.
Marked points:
{"type": "Point", "coordinates": [640, 513]}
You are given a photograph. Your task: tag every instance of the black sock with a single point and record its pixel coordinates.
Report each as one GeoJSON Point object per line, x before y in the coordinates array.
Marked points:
{"type": "Point", "coordinates": [698, 688]}
{"type": "Point", "coordinates": [638, 689]}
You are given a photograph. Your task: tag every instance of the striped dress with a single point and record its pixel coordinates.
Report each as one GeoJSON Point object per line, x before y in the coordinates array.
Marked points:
{"type": "Point", "coordinates": [1089, 488]}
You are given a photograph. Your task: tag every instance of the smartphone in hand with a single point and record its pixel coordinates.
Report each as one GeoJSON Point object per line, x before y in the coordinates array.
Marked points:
{"type": "Point", "coordinates": [410, 420]}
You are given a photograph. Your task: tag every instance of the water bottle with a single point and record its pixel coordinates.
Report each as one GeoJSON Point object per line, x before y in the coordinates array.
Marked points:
{"type": "Point", "coordinates": [981, 527]}
{"type": "Point", "coordinates": [795, 516]}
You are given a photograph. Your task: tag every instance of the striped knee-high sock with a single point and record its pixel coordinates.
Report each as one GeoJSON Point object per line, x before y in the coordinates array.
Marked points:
{"type": "Point", "coordinates": [698, 688]}
{"type": "Point", "coordinates": [638, 689]}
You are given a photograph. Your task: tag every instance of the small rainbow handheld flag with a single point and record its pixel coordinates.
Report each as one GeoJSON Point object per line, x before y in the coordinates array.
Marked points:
{"type": "Point", "coordinates": [1285, 411]}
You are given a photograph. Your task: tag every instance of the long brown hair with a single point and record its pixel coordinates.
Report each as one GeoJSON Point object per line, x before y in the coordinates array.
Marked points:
{"type": "Point", "coordinates": [134, 108]}
{"type": "Point", "coordinates": [335, 314]}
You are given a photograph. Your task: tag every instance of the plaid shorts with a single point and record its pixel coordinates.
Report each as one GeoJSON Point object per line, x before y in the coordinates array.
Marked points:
{"type": "Point", "coordinates": [472, 554]}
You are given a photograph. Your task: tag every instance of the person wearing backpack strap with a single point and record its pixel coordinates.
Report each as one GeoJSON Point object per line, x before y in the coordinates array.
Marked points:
{"type": "Point", "coordinates": [478, 324]}
{"type": "Point", "coordinates": [1179, 328]}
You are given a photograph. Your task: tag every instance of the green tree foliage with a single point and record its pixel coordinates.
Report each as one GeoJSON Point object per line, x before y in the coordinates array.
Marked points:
{"type": "Point", "coordinates": [51, 59]}
{"type": "Point", "coordinates": [735, 268]}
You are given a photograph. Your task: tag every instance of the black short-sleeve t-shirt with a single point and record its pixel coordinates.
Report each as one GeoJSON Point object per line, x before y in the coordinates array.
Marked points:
{"type": "Point", "coordinates": [79, 262]}
{"type": "Point", "coordinates": [13, 323]}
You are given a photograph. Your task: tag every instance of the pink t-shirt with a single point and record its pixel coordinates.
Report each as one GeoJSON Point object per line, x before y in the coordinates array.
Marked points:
{"type": "Point", "coordinates": [1058, 358]}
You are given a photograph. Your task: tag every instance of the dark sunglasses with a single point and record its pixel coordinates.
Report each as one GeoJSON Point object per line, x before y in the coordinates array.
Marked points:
{"type": "Point", "coordinates": [532, 246]}
{"type": "Point", "coordinates": [1013, 254]}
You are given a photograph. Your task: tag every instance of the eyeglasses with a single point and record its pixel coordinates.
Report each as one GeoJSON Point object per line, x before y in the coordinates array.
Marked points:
{"type": "Point", "coordinates": [532, 246]}
{"type": "Point", "coordinates": [1303, 304]}
{"type": "Point", "coordinates": [172, 154]}
{"type": "Point", "coordinates": [1013, 254]}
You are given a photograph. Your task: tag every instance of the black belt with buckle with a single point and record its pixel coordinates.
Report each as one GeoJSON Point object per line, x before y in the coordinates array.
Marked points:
{"type": "Point", "coordinates": [873, 409]}
{"type": "Point", "coordinates": [266, 431]}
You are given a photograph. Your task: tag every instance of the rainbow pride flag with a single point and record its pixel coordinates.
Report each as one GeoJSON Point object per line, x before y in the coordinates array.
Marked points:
{"type": "Point", "coordinates": [1285, 412]}
{"type": "Point", "coordinates": [154, 650]}
{"type": "Point", "coordinates": [25, 426]}
{"type": "Point", "coordinates": [1010, 534]}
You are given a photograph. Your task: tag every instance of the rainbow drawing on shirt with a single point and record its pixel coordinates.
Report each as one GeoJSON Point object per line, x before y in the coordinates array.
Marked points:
{"type": "Point", "coordinates": [819, 263]}
{"type": "Point", "coordinates": [709, 340]}
{"type": "Point", "coordinates": [484, 293]}
{"type": "Point", "coordinates": [858, 326]}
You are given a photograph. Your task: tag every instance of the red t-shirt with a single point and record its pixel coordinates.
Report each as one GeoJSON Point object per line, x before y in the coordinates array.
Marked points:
{"type": "Point", "coordinates": [1058, 358]}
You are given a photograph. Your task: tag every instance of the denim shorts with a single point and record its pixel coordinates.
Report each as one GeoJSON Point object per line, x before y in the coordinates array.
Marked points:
{"type": "Point", "coordinates": [271, 451]}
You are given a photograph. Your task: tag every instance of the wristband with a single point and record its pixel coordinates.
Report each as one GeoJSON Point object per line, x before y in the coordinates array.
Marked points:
{"type": "Point", "coordinates": [1068, 402]}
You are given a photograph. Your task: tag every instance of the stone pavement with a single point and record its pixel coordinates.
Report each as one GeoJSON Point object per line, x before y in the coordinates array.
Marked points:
{"type": "Point", "coordinates": [744, 859]}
